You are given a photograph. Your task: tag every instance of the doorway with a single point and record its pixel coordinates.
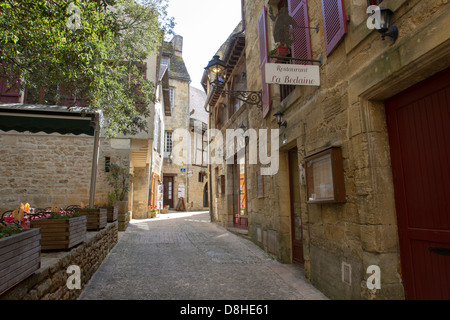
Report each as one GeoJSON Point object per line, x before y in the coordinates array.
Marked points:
{"type": "Point", "coordinates": [205, 196]}
{"type": "Point", "coordinates": [296, 219]}
{"type": "Point", "coordinates": [239, 194]}
{"type": "Point", "coordinates": [418, 122]}
{"type": "Point", "coordinates": [168, 191]}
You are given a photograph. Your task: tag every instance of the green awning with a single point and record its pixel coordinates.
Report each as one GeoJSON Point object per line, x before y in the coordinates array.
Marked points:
{"type": "Point", "coordinates": [48, 119]}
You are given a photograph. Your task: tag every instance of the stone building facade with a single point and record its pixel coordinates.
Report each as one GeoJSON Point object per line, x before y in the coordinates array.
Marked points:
{"type": "Point", "coordinates": [181, 177]}
{"type": "Point", "coordinates": [385, 144]}
{"type": "Point", "coordinates": [54, 169]}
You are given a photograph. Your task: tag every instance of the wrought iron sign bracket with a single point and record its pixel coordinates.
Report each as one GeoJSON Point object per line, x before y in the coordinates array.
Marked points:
{"type": "Point", "coordinates": [250, 97]}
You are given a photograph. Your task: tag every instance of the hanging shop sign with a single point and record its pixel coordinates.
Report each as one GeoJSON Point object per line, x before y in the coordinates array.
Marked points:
{"type": "Point", "coordinates": [291, 74]}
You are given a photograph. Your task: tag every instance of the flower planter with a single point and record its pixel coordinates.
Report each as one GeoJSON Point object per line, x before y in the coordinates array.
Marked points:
{"type": "Point", "coordinates": [61, 234]}
{"type": "Point", "coordinates": [165, 210]}
{"type": "Point", "coordinates": [112, 213]}
{"type": "Point", "coordinates": [20, 257]}
{"type": "Point", "coordinates": [96, 218]}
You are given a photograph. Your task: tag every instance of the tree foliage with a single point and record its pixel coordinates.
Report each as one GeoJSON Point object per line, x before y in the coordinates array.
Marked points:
{"type": "Point", "coordinates": [93, 51]}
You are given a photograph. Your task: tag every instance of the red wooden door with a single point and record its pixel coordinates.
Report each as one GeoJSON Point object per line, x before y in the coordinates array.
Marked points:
{"type": "Point", "coordinates": [296, 219]}
{"type": "Point", "coordinates": [419, 132]}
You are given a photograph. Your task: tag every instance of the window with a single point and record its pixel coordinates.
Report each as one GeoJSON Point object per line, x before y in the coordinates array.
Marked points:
{"type": "Point", "coordinates": [199, 149]}
{"type": "Point", "coordinates": [107, 164]}
{"type": "Point", "coordinates": [334, 22]}
{"type": "Point", "coordinates": [172, 98]}
{"type": "Point", "coordinates": [10, 92]}
{"type": "Point", "coordinates": [221, 184]}
{"type": "Point", "coordinates": [201, 176]}
{"type": "Point", "coordinates": [165, 61]}
{"type": "Point", "coordinates": [168, 146]}
{"type": "Point", "coordinates": [301, 48]}
{"type": "Point", "coordinates": [157, 126]}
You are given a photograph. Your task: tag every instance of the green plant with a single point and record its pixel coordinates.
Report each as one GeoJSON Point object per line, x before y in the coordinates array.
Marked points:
{"type": "Point", "coordinates": [119, 179]}
{"type": "Point", "coordinates": [111, 198]}
{"type": "Point", "coordinates": [9, 230]}
{"type": "Point", "coordinates": [62, 215]}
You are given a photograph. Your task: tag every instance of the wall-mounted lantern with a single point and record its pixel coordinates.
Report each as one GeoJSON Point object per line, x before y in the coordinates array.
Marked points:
{"type": "Point", "coordinates": [380, 19]}
{"type": "Point", "coordinates": [279, 118]}
{"type": "Point", "coordinates": [217, 72]}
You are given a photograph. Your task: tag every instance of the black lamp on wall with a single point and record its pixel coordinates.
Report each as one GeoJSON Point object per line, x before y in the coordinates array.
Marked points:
{"type": "Point", "coordinates": [385, 25]}
{"type": "Point", "coordinates": [380, 19]}
{"type": "Point", "coordinates": [279, 118]}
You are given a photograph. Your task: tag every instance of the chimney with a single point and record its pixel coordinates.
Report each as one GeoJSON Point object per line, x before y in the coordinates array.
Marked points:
{"type": "Point", "coordinates": [177, 43]}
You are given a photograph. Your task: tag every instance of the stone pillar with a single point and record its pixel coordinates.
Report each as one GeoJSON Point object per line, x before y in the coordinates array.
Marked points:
{"type": "Point", "coordinates": [141, 192]}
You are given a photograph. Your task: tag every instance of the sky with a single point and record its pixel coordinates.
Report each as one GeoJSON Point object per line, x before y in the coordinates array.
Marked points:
{"type": "Point", "coordinates": [204, 25]}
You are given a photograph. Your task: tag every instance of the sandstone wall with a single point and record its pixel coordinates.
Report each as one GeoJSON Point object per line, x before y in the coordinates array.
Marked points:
{"type": "Point", "coordinates": [47, 169]}
{"type": "Point", "coordinates": [347, 111]}
{"type": "Point", "coordinates": [49, 282]}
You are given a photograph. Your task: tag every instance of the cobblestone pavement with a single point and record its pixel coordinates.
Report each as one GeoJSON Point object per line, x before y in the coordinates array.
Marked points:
{"type": "Point", "coordinates": [182, 256]}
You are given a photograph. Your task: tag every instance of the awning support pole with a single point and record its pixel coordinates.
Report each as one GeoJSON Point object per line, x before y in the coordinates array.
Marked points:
{"type": "Point", "coordinates": [94, 162]}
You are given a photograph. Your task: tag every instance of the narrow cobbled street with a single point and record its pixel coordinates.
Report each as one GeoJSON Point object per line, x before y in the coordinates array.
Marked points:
{"type": "Point", "coordinates": [182, 256]}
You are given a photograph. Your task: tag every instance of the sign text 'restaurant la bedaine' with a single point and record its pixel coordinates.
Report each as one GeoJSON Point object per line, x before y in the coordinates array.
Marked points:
{"type": "Point", "coordinates": [288, 74]}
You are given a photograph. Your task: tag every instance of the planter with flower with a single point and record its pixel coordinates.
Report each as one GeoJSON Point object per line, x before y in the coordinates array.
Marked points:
{"type": "Point", "coordinates": [280, 50]}
{"type": "Point", "coordinates": [204, 174]}
{"type": "Point", "coordinates": [165, 209]}
{"type": "Point", "coordinates": [20, 249]}
{"type": "Point", "coordinates": [153, 211]}
{"type": "Point", "coordinates": [61, 230]}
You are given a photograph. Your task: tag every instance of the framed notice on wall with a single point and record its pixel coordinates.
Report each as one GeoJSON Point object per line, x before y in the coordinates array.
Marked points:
{"type": "Point", "coordinates": [259, 184]}
{"type": "Point", "coordinates": [325, 176]}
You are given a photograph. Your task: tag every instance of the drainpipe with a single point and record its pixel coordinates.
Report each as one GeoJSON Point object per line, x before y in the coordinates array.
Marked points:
{"type": "Point", "coordinates": [189, 144]}
{"type": "Point", "coordinates": [94, 161]}
{"type": "Point", "coordinates": [208, 98]}
{"type": "Point", "coordinates": [243, 21]}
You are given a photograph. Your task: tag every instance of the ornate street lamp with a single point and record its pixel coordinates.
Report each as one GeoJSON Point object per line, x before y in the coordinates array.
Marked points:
{"type": "Point", "coordinates": [217, 72]}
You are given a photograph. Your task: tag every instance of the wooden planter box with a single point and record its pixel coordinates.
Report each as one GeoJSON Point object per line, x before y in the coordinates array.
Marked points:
{"type": "Point", "coordinates": [61, 234]}
{"type": "Point", "coordinates": [96, 218]}
{"type": "Point", "coordinates": [20, 257]}
{"type": "Point", "coordinates": [124, 215]}
{"type": "Point", "coordinates": [112, 213]}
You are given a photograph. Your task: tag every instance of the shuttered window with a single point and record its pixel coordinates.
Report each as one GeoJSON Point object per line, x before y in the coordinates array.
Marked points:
{"type": "Point", "coordinates": [10, 93]}
{"type": "Point", "coordinates": [334, 22]}
{"type": "Point", "coordinates": [301, 47]}
{"type": "Point", "coordinates": [264, 54]}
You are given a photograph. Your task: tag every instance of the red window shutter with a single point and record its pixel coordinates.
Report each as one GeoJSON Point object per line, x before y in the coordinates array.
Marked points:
{"type": "Point", "coordinates": [301, 47]}
{"type": "Point", "coordinates": [10, 94]}
{"type": "Point", "coordinates": [264, 54]}
{"type": "Point", "coordinates": [334, 22]}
